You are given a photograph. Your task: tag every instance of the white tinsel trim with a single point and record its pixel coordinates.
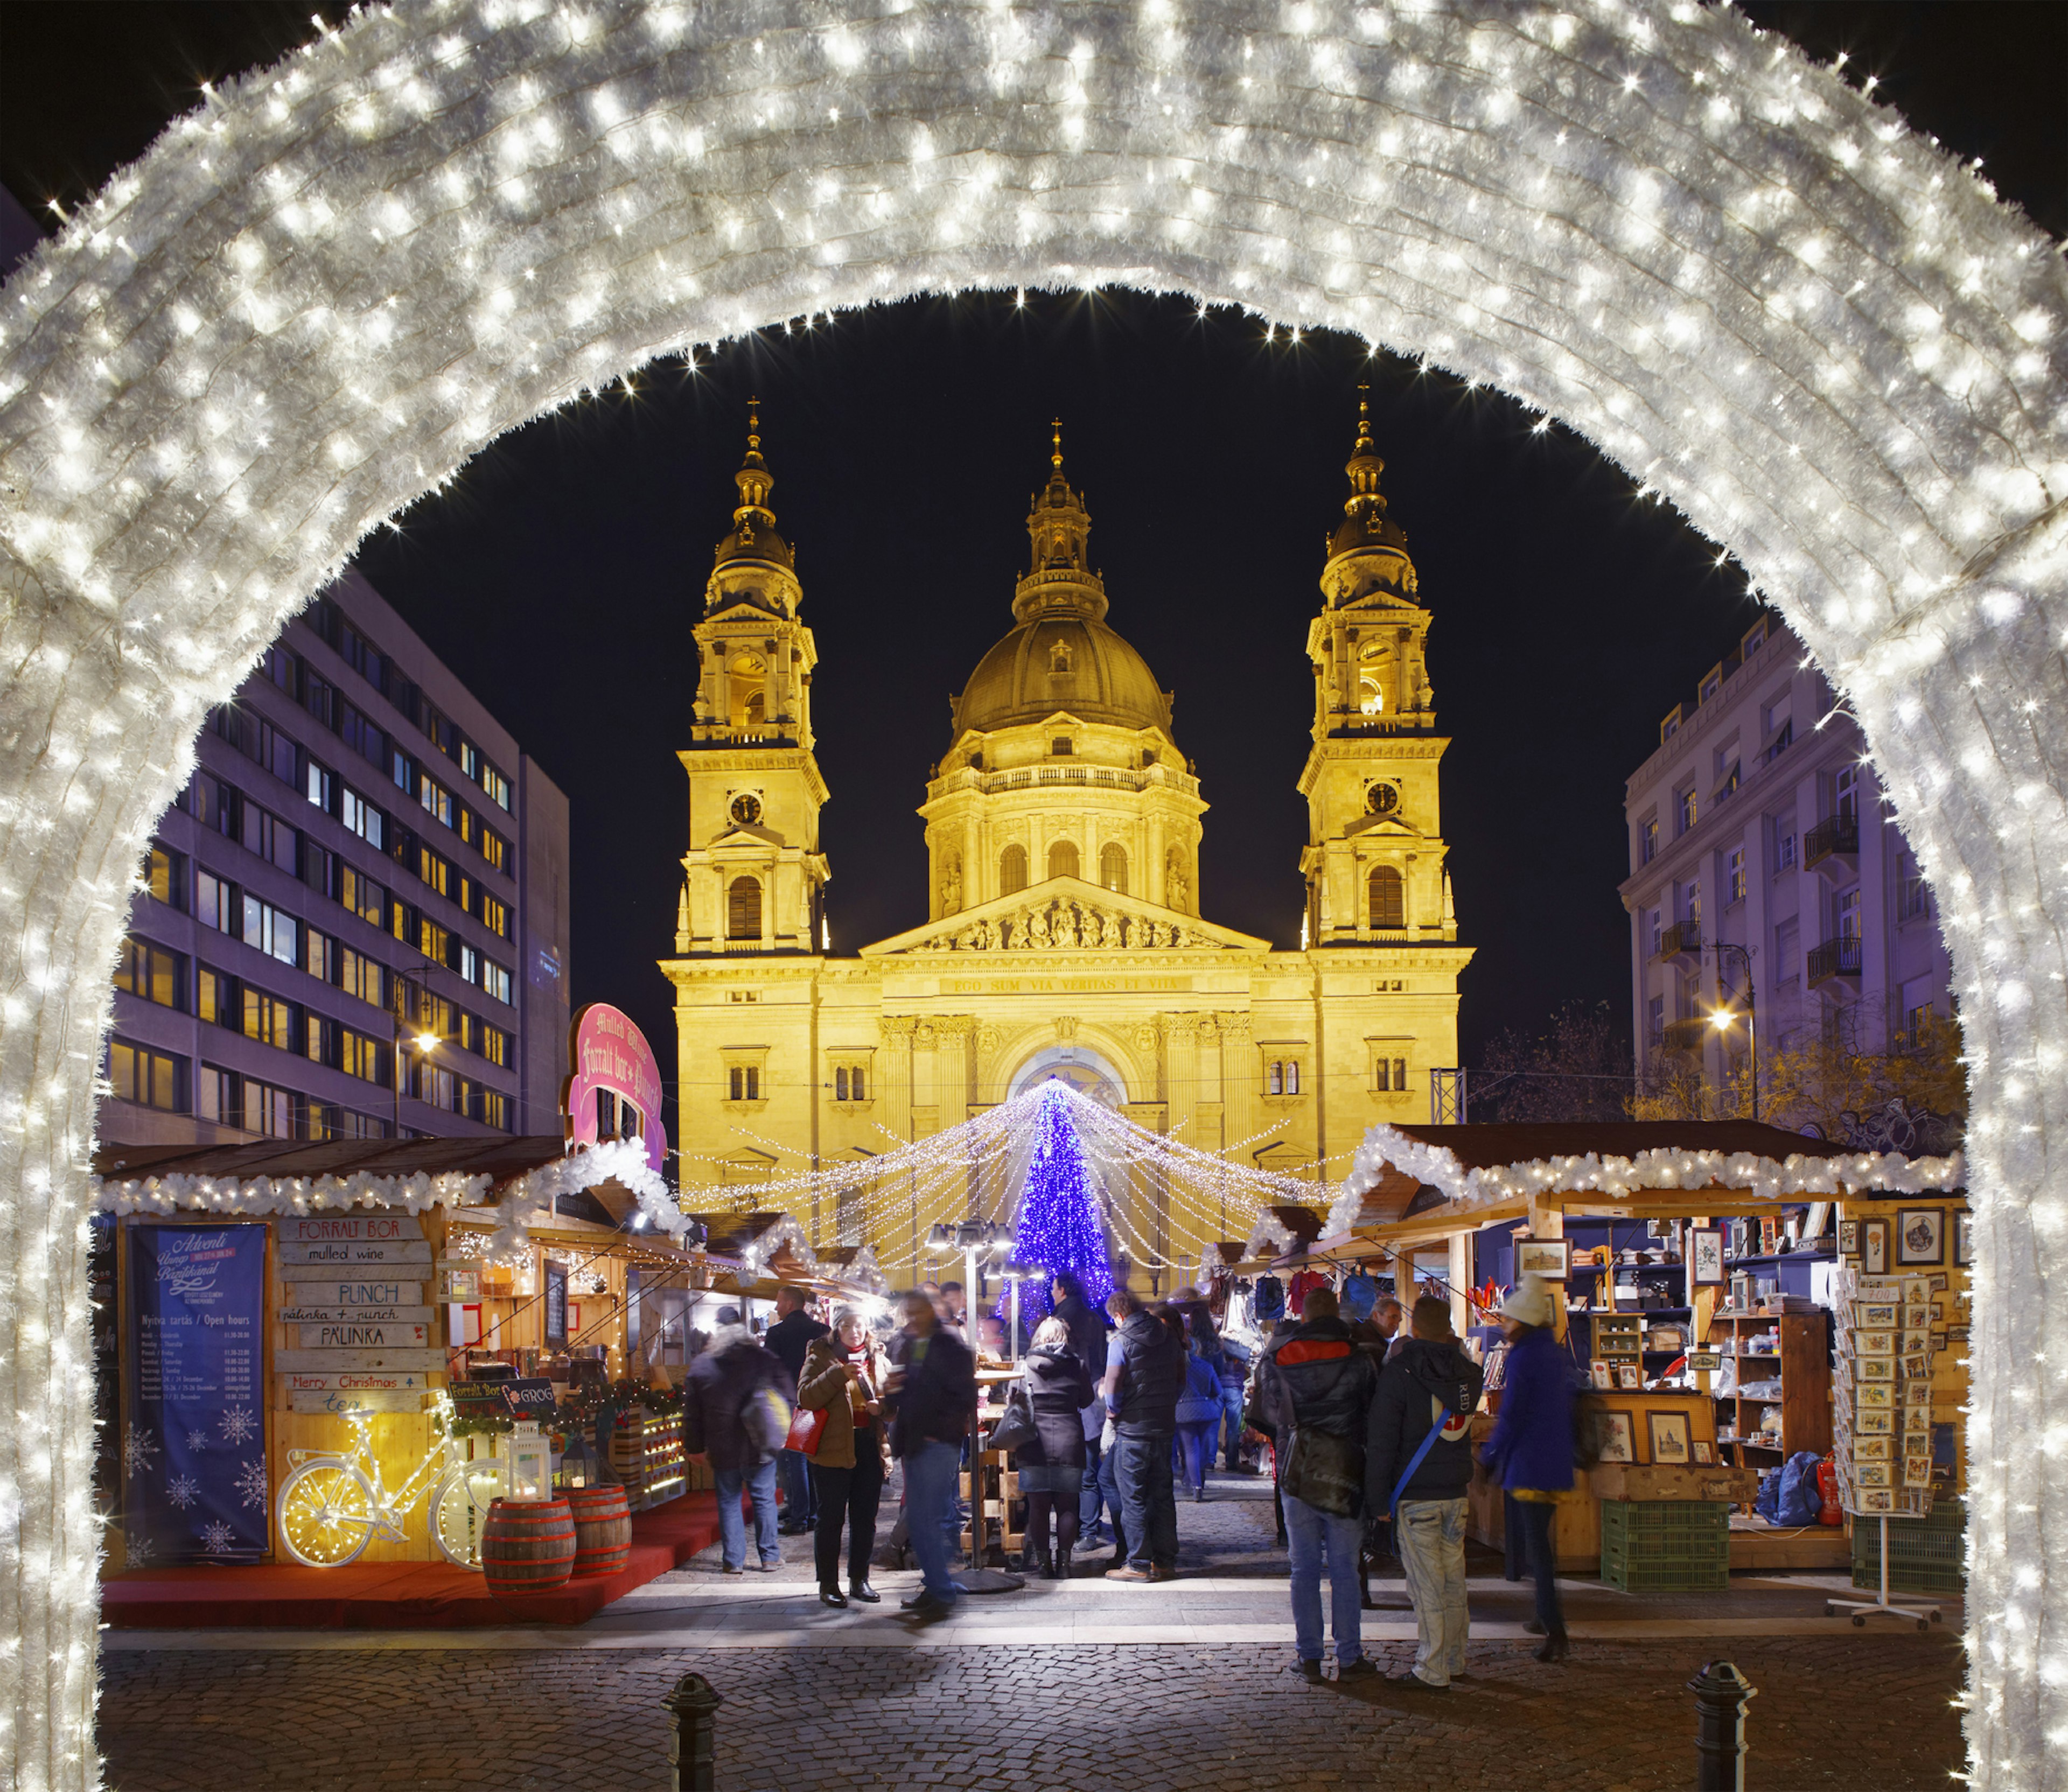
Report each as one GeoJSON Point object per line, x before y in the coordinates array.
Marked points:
{"type": "Point", "coordinates": [1268, 1237]}
{"type": "Point", "coordinates": [286, 1194]}
{"type": "Point", "coordinates": [1769, 1178]}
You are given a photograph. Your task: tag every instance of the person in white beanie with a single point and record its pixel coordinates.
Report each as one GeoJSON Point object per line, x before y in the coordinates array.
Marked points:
{"type": "Point", "coordinates": [1532, 1445]}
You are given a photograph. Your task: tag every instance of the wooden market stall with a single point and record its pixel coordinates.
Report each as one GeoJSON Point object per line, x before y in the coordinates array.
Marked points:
{"type": "Point", "coordinates": [380, 1273]}
{"type": "Point", "coordinates": [1721, 1253]}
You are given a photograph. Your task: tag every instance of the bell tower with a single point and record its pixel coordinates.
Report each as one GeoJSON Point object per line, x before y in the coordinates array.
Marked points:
{"type": "Point", "coordinates": [1375, 860]}
{"type": "Point", "coordinates": [754, 877]}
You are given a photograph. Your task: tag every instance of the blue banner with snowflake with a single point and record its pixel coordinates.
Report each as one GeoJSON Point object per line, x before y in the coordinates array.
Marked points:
{"type": "Point", "coordinates": [193, 1445]}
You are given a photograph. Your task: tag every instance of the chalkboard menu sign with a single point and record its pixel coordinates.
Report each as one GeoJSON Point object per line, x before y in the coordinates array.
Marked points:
{"type": "Point", "coordinates": [531, 1397]}
{"type": "Point", "coordinates": [193, 1445]}
{"type": "Point", "coordinates": [556, 1306]}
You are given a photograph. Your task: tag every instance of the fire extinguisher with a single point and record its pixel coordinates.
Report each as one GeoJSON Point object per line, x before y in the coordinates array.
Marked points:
{"type": "Point", "coordinates": [1827, 1486]}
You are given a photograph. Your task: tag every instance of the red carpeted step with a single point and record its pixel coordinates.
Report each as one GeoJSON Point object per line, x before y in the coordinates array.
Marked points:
{"type": "Point", "coordinates": [394, 1595]}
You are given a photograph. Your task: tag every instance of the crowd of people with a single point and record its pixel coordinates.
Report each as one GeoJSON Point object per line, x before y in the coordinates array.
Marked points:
{"type": "Point", "coordinates": [1368, 1427]}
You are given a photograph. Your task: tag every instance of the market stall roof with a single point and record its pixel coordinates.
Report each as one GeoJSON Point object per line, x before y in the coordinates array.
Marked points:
{"type": "Point", "coordinates": [757, 1240]}
{"type": "Point", "coordinates": [518, 1180]}
{"type": "Point", "coordinates": [851, 1266]}
{"type": "Point", "coordinates": [1458, 1178]}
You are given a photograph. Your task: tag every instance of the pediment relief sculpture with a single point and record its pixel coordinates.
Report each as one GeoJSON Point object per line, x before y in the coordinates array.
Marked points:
{"type": "Point", "coordinates": [1065, 924]}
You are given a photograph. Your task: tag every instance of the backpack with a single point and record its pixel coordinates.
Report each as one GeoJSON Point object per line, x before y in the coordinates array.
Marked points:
{"type": "Point", "coordinates": [1267, 1299]}
{"type": "Point", "coordinates": [765, 1418]}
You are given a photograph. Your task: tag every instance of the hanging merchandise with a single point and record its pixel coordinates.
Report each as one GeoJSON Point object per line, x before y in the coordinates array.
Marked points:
{"type": "Point", "coordinates": [1358, 1297]}
{"type": "Point", "coordinates": [1267, 1300]}
{"type": "Point", "coordinates": [1304, 1284]}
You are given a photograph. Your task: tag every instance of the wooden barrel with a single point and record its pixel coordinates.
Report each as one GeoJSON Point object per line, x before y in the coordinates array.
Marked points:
{"type": "Point", "coordinates": [603, 1530]}
{"type": "Point", "coordinates": [527, 1547]}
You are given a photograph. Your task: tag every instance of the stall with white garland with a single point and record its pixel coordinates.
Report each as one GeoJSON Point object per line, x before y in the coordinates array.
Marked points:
{"type": "Point", "coordinates": [1754, 286]}
{"type": "Point", "coordinates": [290, 1320]}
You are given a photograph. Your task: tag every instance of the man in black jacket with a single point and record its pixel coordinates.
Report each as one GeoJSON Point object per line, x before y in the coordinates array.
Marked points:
{"type": "Point", "coordinates": [787, 1340]}
{"type": "Point", "coordinates": [1146, 1373]}
{"type": "Point", "coordinates": [931, 1396]}
{"type": "Point", "coordinates": [1426, 1395]}
{"type": "Point", "coordinates": [1314, 1379]}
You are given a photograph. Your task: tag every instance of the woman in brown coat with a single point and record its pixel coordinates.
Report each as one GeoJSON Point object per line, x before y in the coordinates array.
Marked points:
{"type": "Point", "coordinates": [843, 1378]}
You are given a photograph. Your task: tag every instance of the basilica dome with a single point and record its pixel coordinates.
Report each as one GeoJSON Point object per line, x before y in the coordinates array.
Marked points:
{"type": "Point", "coordinates": [1069, 662]}
{"type": "Point", "coordinates": [1061, 656]}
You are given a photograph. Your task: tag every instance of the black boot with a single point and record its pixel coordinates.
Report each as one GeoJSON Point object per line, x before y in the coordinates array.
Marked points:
{"type": "Point", "coordinates": [1045, 1562]}
{"type": "Point", "coordinates": [1062, 1565]}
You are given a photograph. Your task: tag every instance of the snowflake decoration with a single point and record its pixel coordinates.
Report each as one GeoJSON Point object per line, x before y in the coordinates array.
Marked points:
{"type": "Point", "coordinates": [138, 1547]}
{"type": "Point", "coordinates": [251, 1483]}
{"type": "Point", "coordinates": [218, 1538]}
{"type": "Point", "coordinates": [181, 1489]}
{"type": "Point", "coordinates": [197, 1439]}
{"type": "Point", "coordinates": [138, 1447]}
{"type": "Point", "coordinates": [239, 1426]}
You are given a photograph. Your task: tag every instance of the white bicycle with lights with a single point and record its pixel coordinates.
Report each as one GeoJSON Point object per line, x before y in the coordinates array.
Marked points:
{"type": "Point", "coordinates": [334, 1503]}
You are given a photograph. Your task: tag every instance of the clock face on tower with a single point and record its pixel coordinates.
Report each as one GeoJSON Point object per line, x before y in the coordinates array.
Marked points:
{"type": "Point", "coordinates": [747, 810]}
{"type": "Point", "coordinates": [1382, 799]}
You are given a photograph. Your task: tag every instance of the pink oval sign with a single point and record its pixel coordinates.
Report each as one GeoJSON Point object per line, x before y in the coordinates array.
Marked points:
{"type": "Point", "coordinates": [615, 1092]}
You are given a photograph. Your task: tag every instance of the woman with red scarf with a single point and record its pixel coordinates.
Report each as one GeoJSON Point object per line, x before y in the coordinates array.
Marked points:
{"type": "Point", "coordinates": [843, 1378]}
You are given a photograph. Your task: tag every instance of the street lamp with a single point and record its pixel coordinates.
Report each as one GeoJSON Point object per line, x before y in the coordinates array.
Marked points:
{"type": "Point", "coordinates": [1722, 1017]}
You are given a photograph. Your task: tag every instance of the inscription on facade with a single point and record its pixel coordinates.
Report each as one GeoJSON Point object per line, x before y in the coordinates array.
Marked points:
{"type": "Point", "coordinates": [1058, 985]}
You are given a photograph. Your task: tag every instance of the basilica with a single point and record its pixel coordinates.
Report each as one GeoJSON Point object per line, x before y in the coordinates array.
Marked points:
{"type": "Point", "coordinates": [1065, 934]}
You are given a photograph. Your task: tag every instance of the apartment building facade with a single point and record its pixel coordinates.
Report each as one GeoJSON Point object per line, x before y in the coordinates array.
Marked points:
{"type": "Point", "coordinates": [1764, 862]}
{"type": "Point", "coordinates": [354, 920]}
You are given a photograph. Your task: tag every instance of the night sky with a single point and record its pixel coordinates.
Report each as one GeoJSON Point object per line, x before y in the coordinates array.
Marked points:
{"type": "Point", "coordinates": [561, 576]}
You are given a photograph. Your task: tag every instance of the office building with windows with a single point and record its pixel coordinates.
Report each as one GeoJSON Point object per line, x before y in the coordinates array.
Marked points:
{"type": "Point", "coordinates": [1764, 862]}
{"type": "Point", "coordinates": [355, 918]}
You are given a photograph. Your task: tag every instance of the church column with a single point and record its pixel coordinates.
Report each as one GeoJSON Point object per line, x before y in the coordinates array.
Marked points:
{"type": "Point", "coordinates": [1409, 909]}
{"type": "Point", "coordinates": [1181, 1057]}
{"type": "Point", "coordinates": [894, 1087]}
{"type": "Point", "coordinates": [1238, 1087]}
{"type": "Point", "coordinates": [1152, 879]}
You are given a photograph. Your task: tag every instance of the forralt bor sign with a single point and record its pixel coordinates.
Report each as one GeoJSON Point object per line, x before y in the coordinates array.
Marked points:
{"type": "Point", "coordinates": [615, 1090]}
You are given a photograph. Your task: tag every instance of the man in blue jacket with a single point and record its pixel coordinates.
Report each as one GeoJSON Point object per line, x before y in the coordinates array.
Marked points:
{"type": "Point", "coordinates": [1532, 1445]}
{"type": "Point", "coordinates": [1146, 1372]}
{"type": "Point", "coordinates": [1418, 1446]}
{"type": "Point", "coordinates": [931, 1396]}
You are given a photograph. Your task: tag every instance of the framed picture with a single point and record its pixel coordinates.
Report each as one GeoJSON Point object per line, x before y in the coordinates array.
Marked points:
{"type": "Point", "coordinates": [1617, 1438]}
{"type": "Point", "coordinates": [1705, 1257]}
{"type": "Point", "coordinates": [1849, 1238]}
{"type": "Point", "coordinates": [1874, 1246]}
{"type": "Point", "coordinates": [1920, 1235]}
{"type": "Point", "coordinates": [1940, 1282]}
{"type": "Point", "coordinates": [1963, 1239]}
{"type": "Point", "coordinates": [1547, 1257]}
{"type": "Point", "coordinates": [1600, 1374]}
{"type": "Point", "coordinates": [1770, 1236]}
{"type": "Point", "coordinates": [1629, 1378]}
{"type": "Point", "coordinates": [556, 1305]}
{"type": "Point", "coordinates": [1669, 1436]}
{"type": "Point", "coordinates": [1705, 1451]}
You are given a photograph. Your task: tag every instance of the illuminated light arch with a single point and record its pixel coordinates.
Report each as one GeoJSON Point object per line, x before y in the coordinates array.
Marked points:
{"type": "Point", "coordinates": [324, 290]}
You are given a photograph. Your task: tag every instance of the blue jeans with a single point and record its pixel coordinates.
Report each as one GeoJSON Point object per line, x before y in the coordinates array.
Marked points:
{"type": "Point", "coordinates": [1539, 1525]}
{"type": "Point", "coordinates": [1195, 1447]}
{"type": "Point", "coordinates": [1431, 1540]}
{"type": "Point", "coordinates": [1231, 1419]}
{"type": "Point", "coordinates": [1091, 1500]}
{"type": "Point", "coordinates": [1315, 1536]}
{"type": "Point", "coordinates": [1148, 1504]}
{"type": "Point", "coordinates": [1109, 1492]}
{"type": "Point", "coordinates": [930, 1486]}
{"type": "Point", "coordinates": [800, 1498]}
{"type": "Point", "coordinates": [760, 1483]}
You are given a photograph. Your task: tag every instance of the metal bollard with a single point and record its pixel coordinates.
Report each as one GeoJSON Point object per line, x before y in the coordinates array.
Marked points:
{"type": "Point", "coordinates": [1721, 1694]}
{"type": "Point", "coordinates": [693, 1749]}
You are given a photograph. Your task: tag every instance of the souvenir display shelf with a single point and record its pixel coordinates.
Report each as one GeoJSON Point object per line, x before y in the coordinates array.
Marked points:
{"type": "Point", "coordinates": [1791, 1353]}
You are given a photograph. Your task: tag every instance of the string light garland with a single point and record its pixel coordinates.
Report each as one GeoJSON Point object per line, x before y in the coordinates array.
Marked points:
{"type": "Point", "coordinates": [331, 284]}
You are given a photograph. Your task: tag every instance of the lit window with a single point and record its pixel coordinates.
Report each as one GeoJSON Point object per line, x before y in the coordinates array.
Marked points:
{"type": "Point", "coordinates": [149, 1079]}
{"type": "Point", "coordinates": [1737, 874]}
{"type": "Point", "coordinates": [150, 972]}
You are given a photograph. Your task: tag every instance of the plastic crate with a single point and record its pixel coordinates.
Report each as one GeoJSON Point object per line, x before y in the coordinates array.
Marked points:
{"type": "Point", "coordinates": [1665, 1546]}
{"type": "Point", "coordinates": [1925, 1555]}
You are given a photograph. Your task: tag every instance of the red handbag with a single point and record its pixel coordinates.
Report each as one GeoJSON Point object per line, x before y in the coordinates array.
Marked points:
{"type": "Point", "coordinates": [806, 1428]}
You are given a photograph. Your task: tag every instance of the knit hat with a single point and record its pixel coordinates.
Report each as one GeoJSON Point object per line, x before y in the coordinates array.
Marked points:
{"type": "Point", "coordinates": [1530, 1304]}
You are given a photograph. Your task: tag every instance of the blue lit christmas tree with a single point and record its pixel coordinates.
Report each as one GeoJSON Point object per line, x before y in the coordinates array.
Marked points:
{"type": "Point", "coordinates": [1059, 1227]}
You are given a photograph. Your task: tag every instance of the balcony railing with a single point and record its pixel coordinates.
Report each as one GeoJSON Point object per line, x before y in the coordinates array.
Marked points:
{"type": "Point", "coordinates": [1683, 938]}
{"type": "Point", "coordinates": [1683, 1035]}
{"type": "Point", "coordinates": [1838, 837]}
{"type": "Point", "coordinates": [1839, 957]}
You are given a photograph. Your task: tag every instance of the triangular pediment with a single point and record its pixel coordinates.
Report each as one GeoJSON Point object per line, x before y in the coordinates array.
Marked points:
{"type": "Point", "coordinates": [1058, 915]}
{"type": "Point", "coordinates": [740, 834]}
{"type": "Point", "coordinates": [1386, 827]}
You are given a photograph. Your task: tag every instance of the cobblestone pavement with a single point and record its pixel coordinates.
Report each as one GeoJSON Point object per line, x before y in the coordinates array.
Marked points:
{"type": "Point", "coordinates": [1028, 1708]}
{"type": "Point", "coordinates": [1833, 1713]}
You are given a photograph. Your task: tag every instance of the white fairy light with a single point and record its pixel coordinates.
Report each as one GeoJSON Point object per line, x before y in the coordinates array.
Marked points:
{"type": "Point", "coordinates": [1895, 403]}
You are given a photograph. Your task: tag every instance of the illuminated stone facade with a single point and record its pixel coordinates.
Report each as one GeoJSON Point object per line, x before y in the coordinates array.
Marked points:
{"type": "Point", "coordinates": [1064, 935]}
